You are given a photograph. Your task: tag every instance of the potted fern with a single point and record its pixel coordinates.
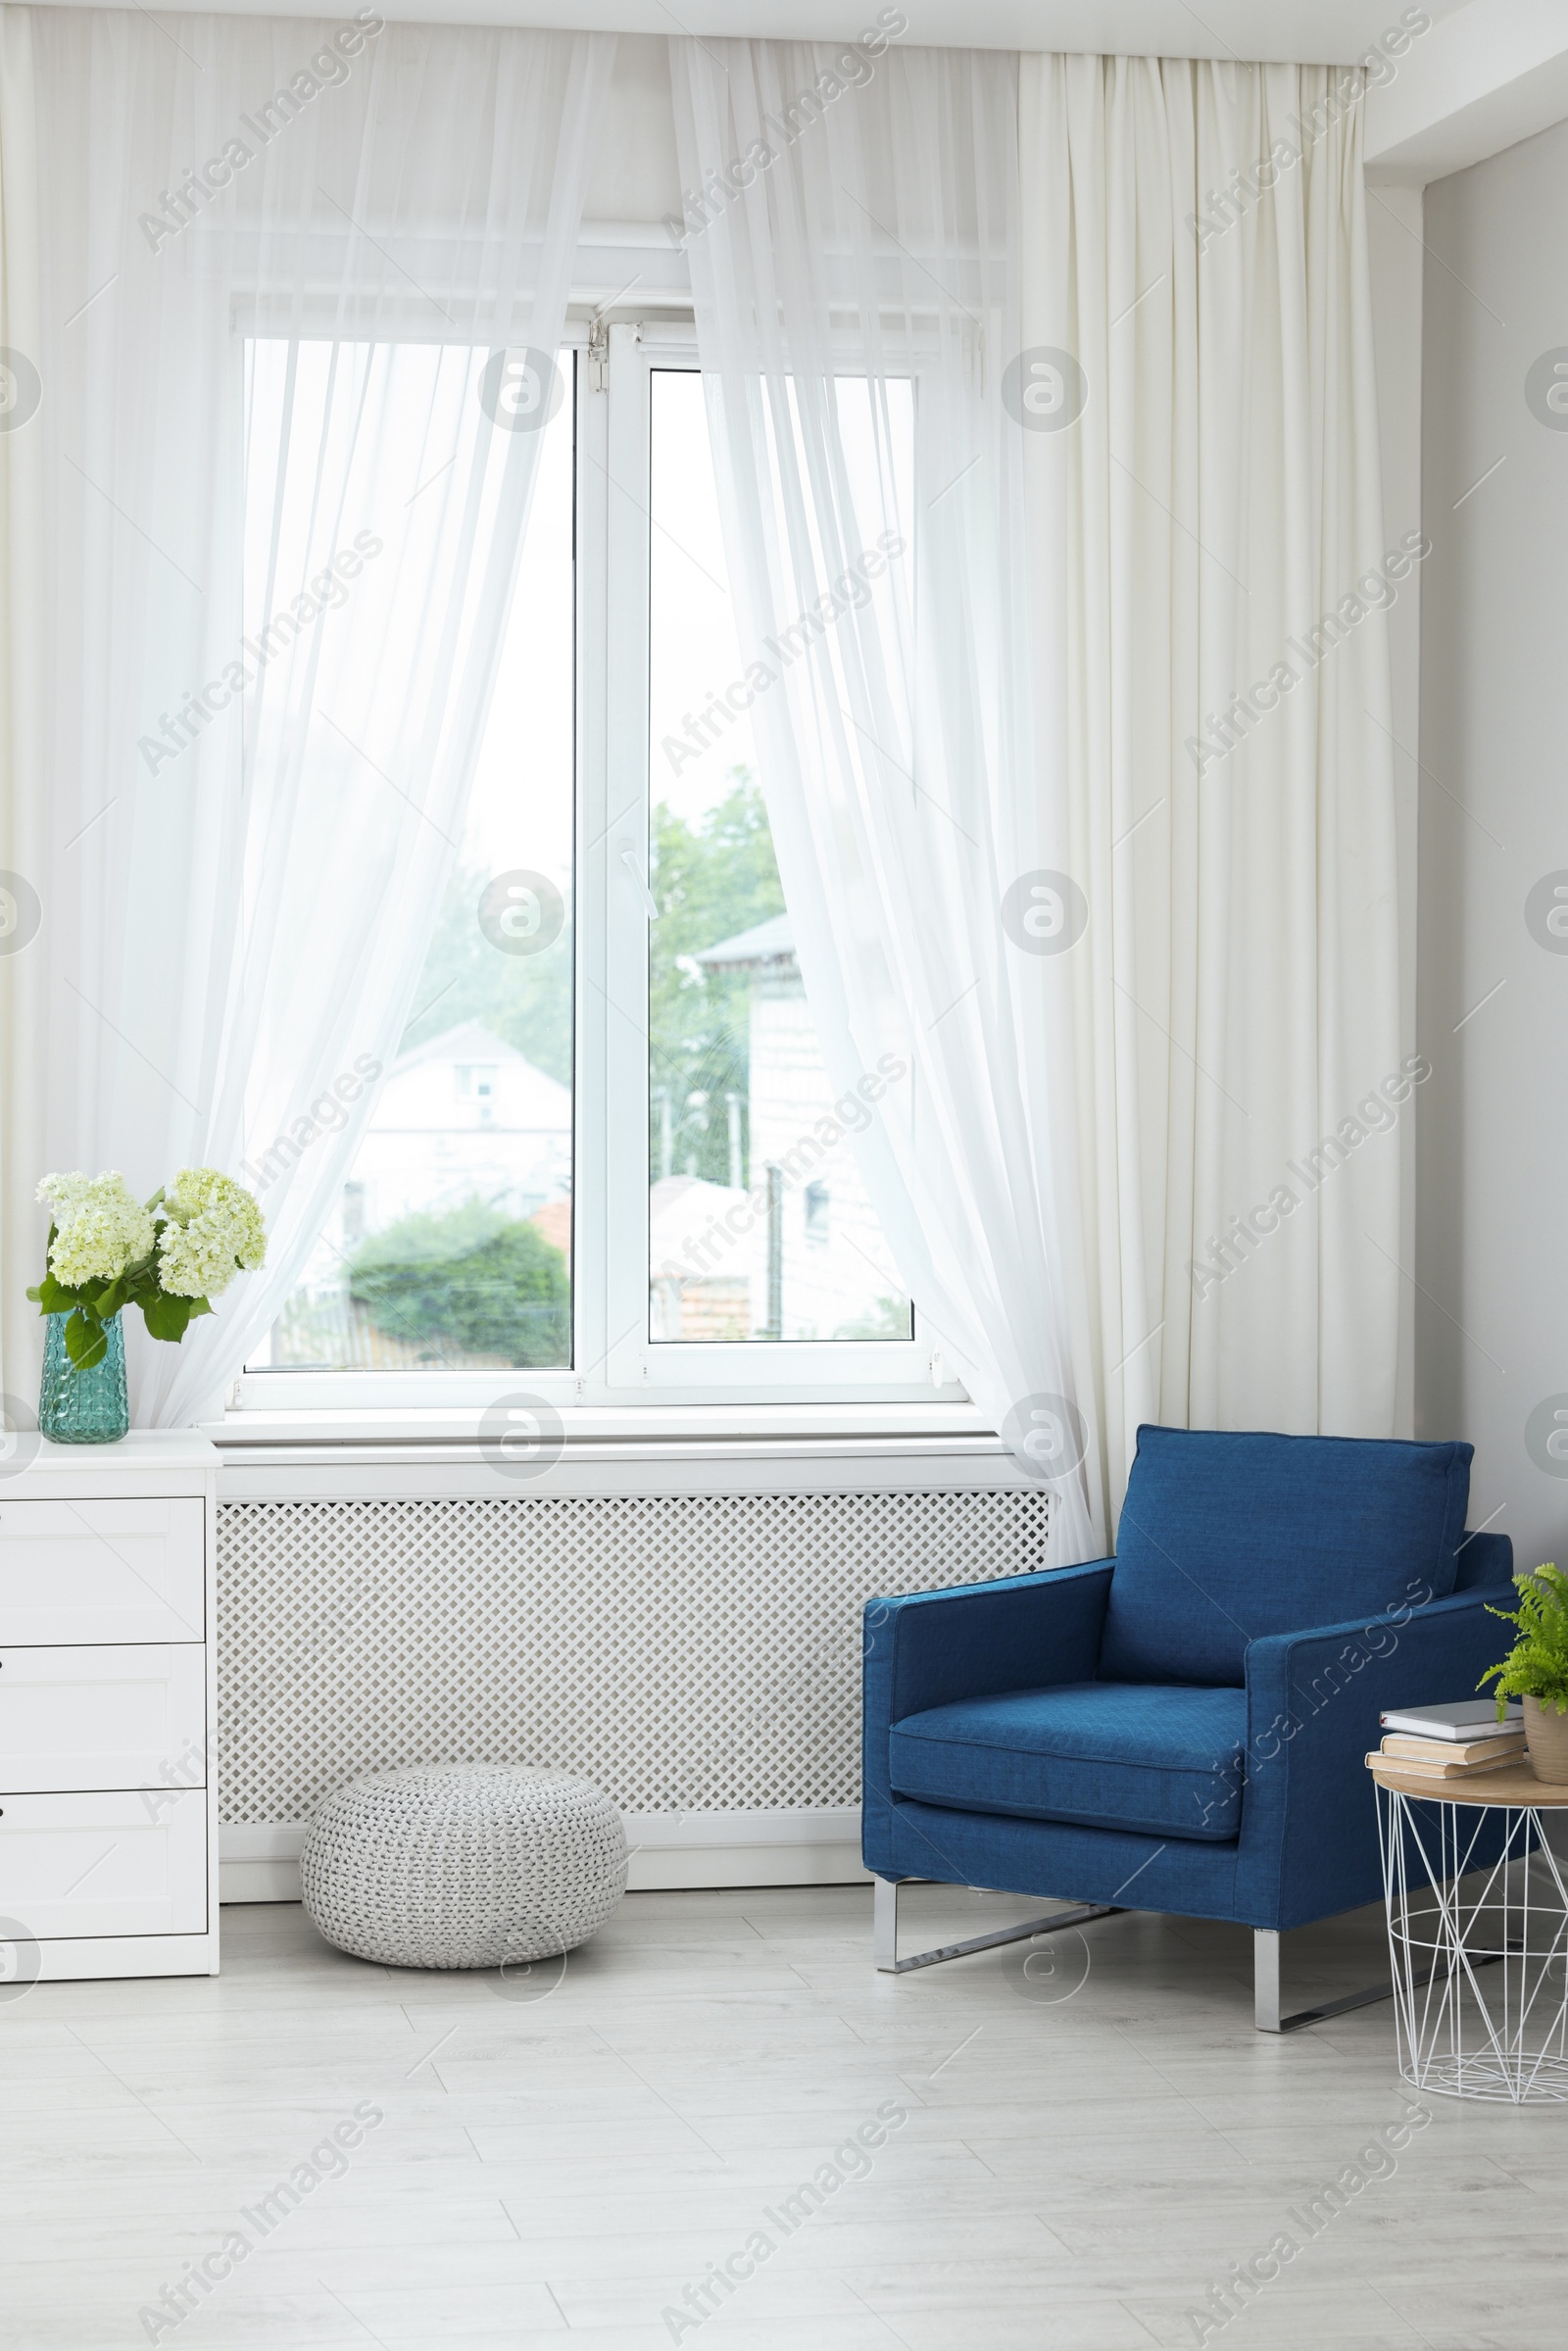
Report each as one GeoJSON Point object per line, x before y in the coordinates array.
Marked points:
{"type": "Point", "coordinates": [1535, 1668]}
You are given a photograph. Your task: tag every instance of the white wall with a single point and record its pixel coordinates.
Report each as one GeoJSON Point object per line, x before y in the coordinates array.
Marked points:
{"type": "Point", "coordinates": [635, 176]}
{"type": "Point", "coordinates": [1491, 1239]}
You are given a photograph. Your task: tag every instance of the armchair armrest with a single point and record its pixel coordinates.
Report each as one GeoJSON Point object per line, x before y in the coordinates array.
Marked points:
{"type": "Point", "coordinates": [1308, 1837]}
{"type": "Point", "coordinates": [973, 1639]}
{"type": "Point", "coordinates": [1483, 1558]}
{"type": "Point", "coordinates": [929, 1647]}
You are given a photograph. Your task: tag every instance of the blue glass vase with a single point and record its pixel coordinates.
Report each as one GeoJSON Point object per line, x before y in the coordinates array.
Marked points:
{"type": "Point", "coordinates": [83, 1407]}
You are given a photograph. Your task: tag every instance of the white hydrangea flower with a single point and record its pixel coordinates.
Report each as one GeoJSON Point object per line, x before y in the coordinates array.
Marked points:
{"type": "Point", "coordinates": [101, 1226]}
{"type": "Point", "coordinates": [58, 1191]}
{"type": "Point", "coordinates": [214, 1228]}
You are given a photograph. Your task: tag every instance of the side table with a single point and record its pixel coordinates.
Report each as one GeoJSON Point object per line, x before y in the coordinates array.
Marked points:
{"type": "Point", "coordinates": [1460, 2033]}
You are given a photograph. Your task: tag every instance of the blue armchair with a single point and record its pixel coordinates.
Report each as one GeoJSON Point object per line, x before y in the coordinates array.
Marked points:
{"type": "Point", "coordinates": [1183, 1728]}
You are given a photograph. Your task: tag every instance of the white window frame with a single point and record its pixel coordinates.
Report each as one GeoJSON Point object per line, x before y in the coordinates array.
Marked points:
{"type": "Point", "coordinates": [616, 1364]}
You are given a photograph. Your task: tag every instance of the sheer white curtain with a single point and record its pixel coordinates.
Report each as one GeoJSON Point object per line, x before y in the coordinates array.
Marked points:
{"type": "Point", "coordinates": [1211, 570]}
{"type": "Point", "coordinates": [286, 449]}
{"type": "Point", "coordinates": [857, 294]}
{"type": "Point", "coordinates": [1139, 954]}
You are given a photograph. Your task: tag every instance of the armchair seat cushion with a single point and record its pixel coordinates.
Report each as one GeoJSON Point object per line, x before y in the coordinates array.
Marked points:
{"type": "Point", "coordinates": [1165, 1760]}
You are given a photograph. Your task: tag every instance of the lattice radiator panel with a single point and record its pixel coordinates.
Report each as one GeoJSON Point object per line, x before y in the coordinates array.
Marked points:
{"type": "Point", "coordinates": [688, 1652]}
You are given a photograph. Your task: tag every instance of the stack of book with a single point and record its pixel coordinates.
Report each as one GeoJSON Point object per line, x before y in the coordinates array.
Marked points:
{"type": "Point", "coordinates": [1462, 1741]}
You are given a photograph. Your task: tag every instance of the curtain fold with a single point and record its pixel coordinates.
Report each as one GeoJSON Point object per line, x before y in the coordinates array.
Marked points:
{"type": "Point", "coordinates": [304, 288]}
{"type": "Point", "coordinates": [854, 231]}
{"type": "Point", "coordinates": [1054, 831]}
{"type": "Point", "coordinates": [1211, 572]}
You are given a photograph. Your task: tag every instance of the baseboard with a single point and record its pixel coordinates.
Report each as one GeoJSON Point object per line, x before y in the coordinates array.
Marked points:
{"type": "Point", "coordinates": [669, 1851]}
{"type": "Point", "coordinates": [806, 1848]}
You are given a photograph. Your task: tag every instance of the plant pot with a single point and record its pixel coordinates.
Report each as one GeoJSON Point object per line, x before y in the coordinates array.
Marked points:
{"type": "Point", "coordinates": [1546, 1737]}
{"type": "Point", "coordinates": [83, 1407]}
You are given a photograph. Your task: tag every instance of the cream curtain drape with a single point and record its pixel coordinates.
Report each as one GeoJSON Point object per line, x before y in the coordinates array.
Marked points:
{"type": "Point", "coordinates": [1210, 574]}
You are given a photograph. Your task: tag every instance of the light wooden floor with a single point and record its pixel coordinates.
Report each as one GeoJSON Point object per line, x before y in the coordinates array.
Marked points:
{"type": "Point", "coordinates": [1083, 2156]}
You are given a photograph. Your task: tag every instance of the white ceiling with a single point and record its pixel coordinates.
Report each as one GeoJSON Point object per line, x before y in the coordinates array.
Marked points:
{"type": "Point", "coordinates": [1303, 31]}
{"type": "Point", "coordinates": [1488, 73]}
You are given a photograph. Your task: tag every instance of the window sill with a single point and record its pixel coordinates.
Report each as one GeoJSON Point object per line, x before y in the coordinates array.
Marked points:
{"type": "Point", "coordinates": [598, 1433]}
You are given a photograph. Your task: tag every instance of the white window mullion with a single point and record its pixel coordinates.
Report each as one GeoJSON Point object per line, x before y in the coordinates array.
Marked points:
{"type": "Point", "coordinates": [625, 865]}
{"type": "Point", "coordinates": [590, 1320]}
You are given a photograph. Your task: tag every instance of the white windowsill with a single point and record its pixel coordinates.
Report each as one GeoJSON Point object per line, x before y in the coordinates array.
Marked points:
{"type": "Point", "coordinates": [599, 1432]}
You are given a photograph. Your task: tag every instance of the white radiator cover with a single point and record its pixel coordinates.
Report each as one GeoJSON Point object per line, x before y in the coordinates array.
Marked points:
{"type": "Point", "coordinates": [697, 1655]}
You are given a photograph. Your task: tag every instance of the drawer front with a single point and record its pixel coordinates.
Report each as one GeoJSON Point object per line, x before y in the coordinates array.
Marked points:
{"type": "Point", "coordinates": [96, 1864]}
{"type": "Point", "coordinates": [129, 1717]}
{"type": "Point", "coordinates": [99, 1572]}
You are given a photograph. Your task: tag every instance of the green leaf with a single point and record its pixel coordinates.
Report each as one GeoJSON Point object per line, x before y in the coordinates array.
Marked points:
{"type": "Point", "coordinates": [166, 1317]}
{"type": "Point", "coordinates": [86, 1340]}
{"type": "Point", "coordinates": [1537, 1666]}
{"type": "Point", "coordinates": [140, 1283]}
{"type": "Point", "coordinates": [53, 1298]}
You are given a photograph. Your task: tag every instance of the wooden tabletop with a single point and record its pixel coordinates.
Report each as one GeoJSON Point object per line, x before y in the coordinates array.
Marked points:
{"type": "Point", "coordinates": [1515, 1783]}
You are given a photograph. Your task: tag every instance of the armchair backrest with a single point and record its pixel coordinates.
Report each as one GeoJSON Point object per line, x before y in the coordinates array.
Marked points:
{"type": "Point", "coordinates": [1227, 1536]}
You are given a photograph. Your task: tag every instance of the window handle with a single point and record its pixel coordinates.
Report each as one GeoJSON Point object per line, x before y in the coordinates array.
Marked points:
{"type": "Point", "coordinates": [634, 866]}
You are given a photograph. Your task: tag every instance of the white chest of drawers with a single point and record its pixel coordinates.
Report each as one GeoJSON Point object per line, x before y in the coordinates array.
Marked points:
{"type": "Point", "coordinates": [108, 1795]}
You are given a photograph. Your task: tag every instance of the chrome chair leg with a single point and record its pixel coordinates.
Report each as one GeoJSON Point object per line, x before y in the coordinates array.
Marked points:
{"type": "Point", "coordinates": [1266, 1991]}
{"type": "Point", "coordinates": [885, 1930]}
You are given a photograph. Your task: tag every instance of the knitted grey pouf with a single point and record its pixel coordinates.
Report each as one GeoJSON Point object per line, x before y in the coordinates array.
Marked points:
{"type": "Point", "coordinates": [463, 1865]}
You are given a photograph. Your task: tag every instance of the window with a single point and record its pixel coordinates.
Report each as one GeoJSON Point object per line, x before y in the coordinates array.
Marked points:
{"type": "Point", "coordinates": [737, 1084]}
{"type": "Point", "coordinates": [451, 1247]}
{"type": "Point", "coordinates": [611, 1064]}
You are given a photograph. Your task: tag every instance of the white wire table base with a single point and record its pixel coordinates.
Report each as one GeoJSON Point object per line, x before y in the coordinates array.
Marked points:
{"type": "Point", "coordinates": [1462, 2035]}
